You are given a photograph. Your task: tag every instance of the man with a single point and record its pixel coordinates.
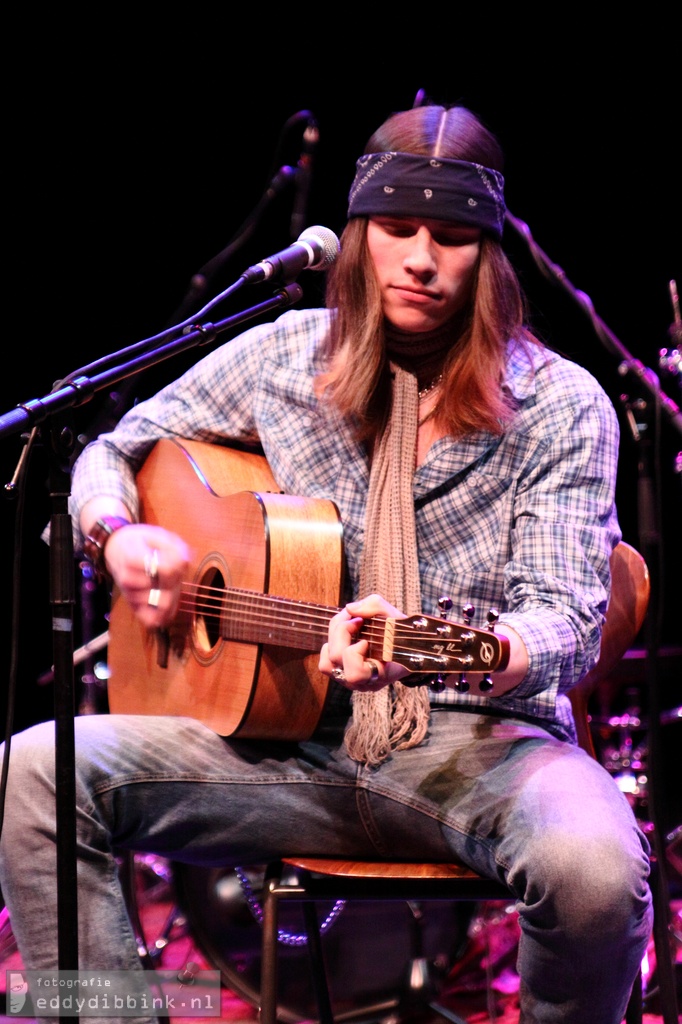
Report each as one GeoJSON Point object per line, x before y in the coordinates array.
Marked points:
{"type": "Point", "coordinates": [467, 461]}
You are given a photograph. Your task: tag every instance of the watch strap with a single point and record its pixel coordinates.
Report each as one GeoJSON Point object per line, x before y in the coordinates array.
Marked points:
{"type": "Point", "coordinates": [95, 542]}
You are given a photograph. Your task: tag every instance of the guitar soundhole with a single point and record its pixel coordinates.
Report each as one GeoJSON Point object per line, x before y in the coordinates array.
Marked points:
{"type": "Point", "coordinates": [208, 608]}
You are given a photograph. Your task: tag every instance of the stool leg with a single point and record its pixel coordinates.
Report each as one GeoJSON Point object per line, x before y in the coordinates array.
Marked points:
{"type": "Point", "coordinates": [268, 981]}
{"type": "Point", "coordinates": [320, 983]}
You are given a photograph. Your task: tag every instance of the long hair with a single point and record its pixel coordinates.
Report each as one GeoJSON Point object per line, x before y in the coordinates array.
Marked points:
{"type": "Point", "coordinates": [471, 397]}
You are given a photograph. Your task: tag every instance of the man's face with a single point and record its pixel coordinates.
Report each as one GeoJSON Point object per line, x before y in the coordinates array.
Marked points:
{"type": "Point", "coordinates": [424, 268]}
{"type": "Point", "coordinates": [18, 987]}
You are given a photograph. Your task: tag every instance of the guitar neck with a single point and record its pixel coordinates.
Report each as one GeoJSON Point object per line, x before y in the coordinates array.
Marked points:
{"type": "Point", "coordinates": [417, 642]}
{"type": "Point", "coordinates": [261, 619]}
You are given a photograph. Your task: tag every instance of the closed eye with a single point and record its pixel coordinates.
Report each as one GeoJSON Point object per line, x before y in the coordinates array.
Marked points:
{"type": "Point", "coordinates": [459, 236]}
{"type": "Point", "coordinates": [442, 232]}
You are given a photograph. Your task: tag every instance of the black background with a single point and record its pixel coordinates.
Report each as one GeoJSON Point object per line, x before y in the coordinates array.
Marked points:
{"type": "Point", "coordinates": [134, 151]}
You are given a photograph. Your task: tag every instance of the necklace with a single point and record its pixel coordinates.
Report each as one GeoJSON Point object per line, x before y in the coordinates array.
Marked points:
{"type": "Point", "coordinates": [423, 392]}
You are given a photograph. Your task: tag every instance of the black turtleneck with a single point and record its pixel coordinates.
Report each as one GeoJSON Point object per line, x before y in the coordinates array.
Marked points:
{"type": "Point", "coordinates": [424, 353]}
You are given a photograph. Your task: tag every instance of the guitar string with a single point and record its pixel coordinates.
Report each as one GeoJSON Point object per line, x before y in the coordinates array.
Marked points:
{"type": "Point", "coordinates": [305, 626]}
{"type": "Point", "coordinates": [219, 601]}
{"type": "Point", "coordinates": [271, 613]}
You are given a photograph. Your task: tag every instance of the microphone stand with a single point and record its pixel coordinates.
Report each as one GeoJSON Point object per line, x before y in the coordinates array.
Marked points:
{"type": "Point", "coordinates": [27, 415]}
{"type": "Point", "coordinates": [650, 549]}
{"type": "Point", "coordinates": [629, 364]}
{"type": "Point", "coordinates": [203, 278]}
{"type": "Point", "coordinates": [280, 180]}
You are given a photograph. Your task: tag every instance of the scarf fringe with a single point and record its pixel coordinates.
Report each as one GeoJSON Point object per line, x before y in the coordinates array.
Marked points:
{"type": "Point", "coordinates": [376, 732]}
{"type": "Point", "coordinates": [396, 717]}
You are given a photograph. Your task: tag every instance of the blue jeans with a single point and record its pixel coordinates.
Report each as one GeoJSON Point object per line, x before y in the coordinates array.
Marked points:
{"type": "Point", "coordinates": [500, 794]}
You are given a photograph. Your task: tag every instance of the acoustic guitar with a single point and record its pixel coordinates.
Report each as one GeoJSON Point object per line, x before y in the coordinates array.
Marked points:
{"type": "Point", "coordinates": [264, 581]}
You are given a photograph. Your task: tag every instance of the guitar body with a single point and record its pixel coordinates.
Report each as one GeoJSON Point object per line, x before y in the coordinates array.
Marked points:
{"type": "Point", "coordinates": [243, 534]}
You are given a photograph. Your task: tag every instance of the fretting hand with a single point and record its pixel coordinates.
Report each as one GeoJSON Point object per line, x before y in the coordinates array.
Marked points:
{"type": "Point", "coordinates": [344, 657]}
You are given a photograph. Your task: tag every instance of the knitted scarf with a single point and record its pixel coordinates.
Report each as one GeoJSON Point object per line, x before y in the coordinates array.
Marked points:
{"type": "Point", "coordinates": [397, 716]}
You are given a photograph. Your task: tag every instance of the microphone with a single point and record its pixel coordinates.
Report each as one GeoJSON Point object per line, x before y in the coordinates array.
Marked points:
{"type": "Point", "coordinates": [316, 249]}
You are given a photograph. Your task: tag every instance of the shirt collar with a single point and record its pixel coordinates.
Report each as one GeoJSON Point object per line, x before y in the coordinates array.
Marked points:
{"type": "Point", "coordinates": [523, 362]}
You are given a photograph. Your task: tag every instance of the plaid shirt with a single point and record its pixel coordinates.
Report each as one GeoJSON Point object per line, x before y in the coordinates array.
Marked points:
{"type": "Point", "coordinates": [524, 522]}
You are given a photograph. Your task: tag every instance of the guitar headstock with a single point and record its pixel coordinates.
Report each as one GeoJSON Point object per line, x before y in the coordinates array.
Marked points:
{"type": "Point", "coordinates": [426, 644]}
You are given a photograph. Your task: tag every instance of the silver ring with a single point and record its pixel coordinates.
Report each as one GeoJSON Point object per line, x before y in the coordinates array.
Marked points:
{"type": "Point", "coordinates": [151, 568]}
{"type": "Point", "coordinates": [374, 674]}
{"type": "Point", "coordinates": [151, 564]}
{"type": "Point", "coordinates": [337, 673]}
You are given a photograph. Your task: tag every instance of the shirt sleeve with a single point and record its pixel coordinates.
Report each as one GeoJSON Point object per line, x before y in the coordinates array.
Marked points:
{"type": "Point", "coordinates": [211, 402]}
{"type": "Point", "coordinates": [216, 401]}
{"type": "Point", "coordinates": [565, 528]}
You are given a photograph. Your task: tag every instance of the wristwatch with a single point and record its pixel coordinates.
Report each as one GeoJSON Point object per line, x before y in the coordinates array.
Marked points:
{"type": "Point", "coordinates": [95, 542]}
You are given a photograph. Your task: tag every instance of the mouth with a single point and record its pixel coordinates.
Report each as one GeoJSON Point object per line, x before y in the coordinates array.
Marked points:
{"type": "Point", "coordinates": [418, 295]}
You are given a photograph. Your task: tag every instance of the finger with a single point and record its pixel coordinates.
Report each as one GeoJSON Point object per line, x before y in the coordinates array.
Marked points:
{"type": "Point", "coordinates": [326, 665]}
{"type": "Point", "coordinates": [365, 675]}
{"type": "Point", "coordinates": [159, 594]}
{"type": "Point", "coordinates": [376, 671]}
{"type": "Point", "coordinates": [343, 630]}
{"type": "Point", "coordinates": [372, 605]}
{"type": "Point", "coordinates": [357, 671]}
{"type": "Point", "coordinates": [151, 571]}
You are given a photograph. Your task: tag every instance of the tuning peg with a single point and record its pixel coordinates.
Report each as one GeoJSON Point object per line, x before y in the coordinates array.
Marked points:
{"type": "Point", "coordinates": [468, 612]}
{"type": "Point", "coordinates": [486, 684]}
{"type": "Point", "coordinates": [493, 616]}
{"type": "Point", "coordinates": [445, 604]}
{"type": "Point", "coordinates": [437, 685]}
{"type": "Point", "coordinates": [461, 685]}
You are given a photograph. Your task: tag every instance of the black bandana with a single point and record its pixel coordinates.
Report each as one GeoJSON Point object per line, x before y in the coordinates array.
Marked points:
{"type": "Point", "coordinates": [409, 185]}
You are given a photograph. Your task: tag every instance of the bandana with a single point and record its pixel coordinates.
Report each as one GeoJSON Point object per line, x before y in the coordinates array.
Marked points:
{"type": "Point", "coordinates": [410, 185]}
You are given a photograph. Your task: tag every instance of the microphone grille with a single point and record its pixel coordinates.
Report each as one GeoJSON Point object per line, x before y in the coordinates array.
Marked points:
{"type": "Point", "coordinates": [325, 237]}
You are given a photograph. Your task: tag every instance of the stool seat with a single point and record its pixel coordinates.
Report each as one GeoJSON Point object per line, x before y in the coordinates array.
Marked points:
{"type": "Point", "coordinates": [380, 868]}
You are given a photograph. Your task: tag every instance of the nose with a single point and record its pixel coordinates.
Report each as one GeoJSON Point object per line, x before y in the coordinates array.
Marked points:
{"type": "Point", "coordinates": [420, 258]}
